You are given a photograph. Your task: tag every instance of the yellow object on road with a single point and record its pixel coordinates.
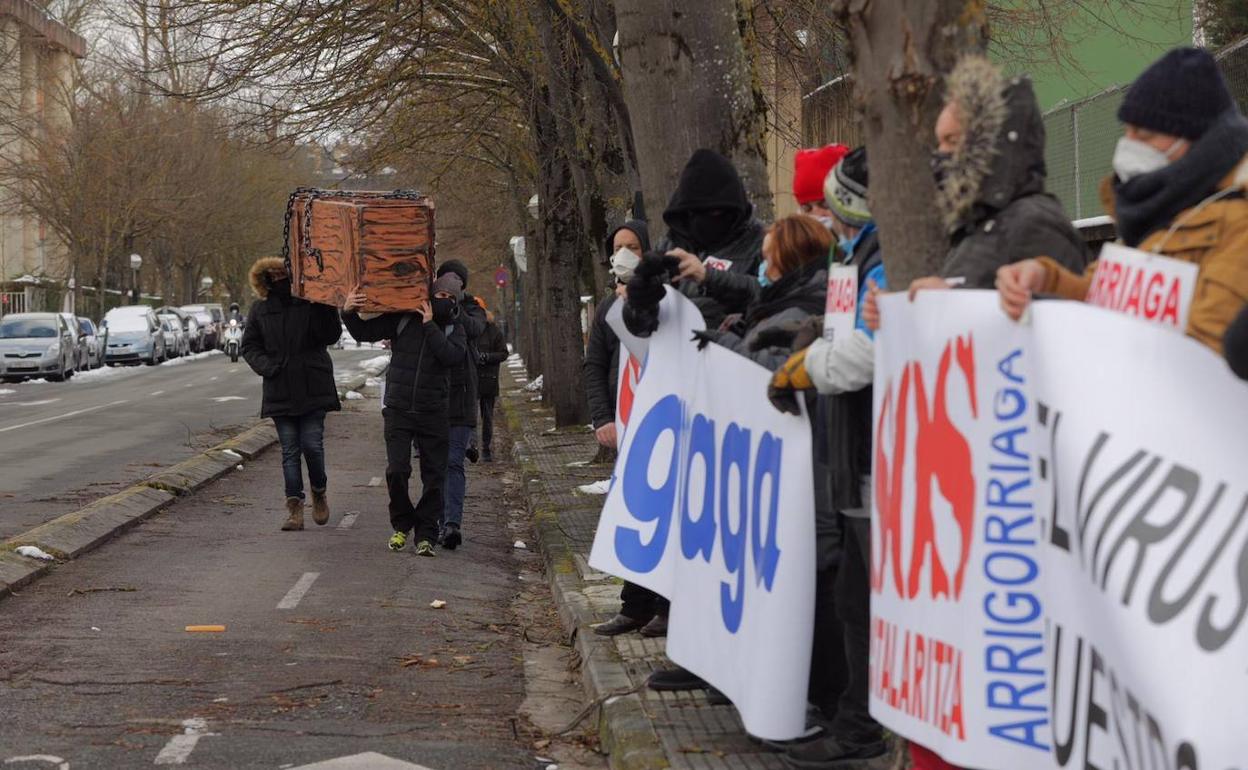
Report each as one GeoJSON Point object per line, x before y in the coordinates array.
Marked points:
{"type": "Point", "coordinates": [205, 629]}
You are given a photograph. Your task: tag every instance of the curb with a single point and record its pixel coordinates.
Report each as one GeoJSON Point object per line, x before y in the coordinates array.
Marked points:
{"type": "Point", "coordinates": [624, 727]}
{"type": "Point", "coordinates": [69, 536]}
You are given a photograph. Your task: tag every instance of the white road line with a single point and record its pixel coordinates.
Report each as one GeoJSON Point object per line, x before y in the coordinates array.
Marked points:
{"type": "Point", "coordinates": [292, 597]}
{"type": "Point", "coordinates": [44, 402]}
{"type": "Point", "coordinates": [213, 379]}
{"type": "Point", "coordinates": [233, 371]}
{"type": "Point", "coordinates": [348, 520]}
{"type": "Point", "coordinates": [189, 385]}
{"type": "Point", "coordinates": [157, 393]}
{"type": "Point", "coordinates": [65, 416]}
{"type": "Point", "coordinates": [375, 481]}
{"type": "Point", "coordinates": [223, 399]}
{"type": "Point", "coordinates": [48, 758]}
{"type": "Point", "coordinates": [179, 747]}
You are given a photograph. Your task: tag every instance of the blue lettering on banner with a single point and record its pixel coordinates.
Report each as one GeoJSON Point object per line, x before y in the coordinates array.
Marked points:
{"type": "Point", "coordinates": [746, 522]}
{"type": "Point", "coordinates": [1018, 707]}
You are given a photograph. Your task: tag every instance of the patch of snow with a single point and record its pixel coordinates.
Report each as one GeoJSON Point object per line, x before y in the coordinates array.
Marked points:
{"type": "Point", "coordinates": [519, 545]}
{"type": "Point", "coordinates": [35, 552]}
{"type": "Point", "coordinates": [535, 385]}
{"type": "Point", "coordinates": [6, 391]}
{"type": "Point", "coordinates": [354, 395]}
{"type": "Point", "coordinates": [231, 453]}
{"type": "Point", "coordinates": [377, 365]}
{"type": "Point", "coordinates": [597, 488]}
{"type": "Point", "coordinates": [191, 358]}
{"type": "Point", "coordinates": [373, 382]}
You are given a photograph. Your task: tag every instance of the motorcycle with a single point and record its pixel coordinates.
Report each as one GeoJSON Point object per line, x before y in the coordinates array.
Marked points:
{"type": "Point", "coordinates": [233, 339]}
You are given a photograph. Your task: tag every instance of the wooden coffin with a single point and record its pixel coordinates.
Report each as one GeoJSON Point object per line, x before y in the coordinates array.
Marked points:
{"type": "Point", "coordinates": [381, 242]}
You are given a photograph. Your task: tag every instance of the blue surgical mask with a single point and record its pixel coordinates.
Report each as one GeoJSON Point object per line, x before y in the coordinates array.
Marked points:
{"type": "Point", "coordinates": [846, 244]}
{"type": "Point", "coordinates": [763, 280]}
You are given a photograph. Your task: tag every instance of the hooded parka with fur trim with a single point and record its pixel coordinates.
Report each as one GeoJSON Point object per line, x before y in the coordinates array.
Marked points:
{"type": "Point", "coordinates": [992, 199]}
{"type": "Point", "coordinates": [285, 342]}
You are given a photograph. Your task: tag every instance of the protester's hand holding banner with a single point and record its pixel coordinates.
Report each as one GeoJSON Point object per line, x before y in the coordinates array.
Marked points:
{"type": "Point", "coordinates": [711, 505]}
{"type": "Point", "coordinates": [1060, 534]}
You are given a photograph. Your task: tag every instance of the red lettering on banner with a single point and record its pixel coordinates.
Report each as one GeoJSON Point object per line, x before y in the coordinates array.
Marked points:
{"type": "Point", "coordinates": [1150, 294]}
{"type": "Point", "coordinates": [1170, 313]}
{"type": "Point", "coordinates": [1133, 296]}
{"type": "Point", "coordinates": [1152, 303]}
{"type": "Point", "coordinates": [923, 679]}
{"type": "Point", "coordinates": [842, 295]}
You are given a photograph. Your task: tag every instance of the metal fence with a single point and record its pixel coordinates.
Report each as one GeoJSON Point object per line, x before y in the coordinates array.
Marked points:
{"type": "Point", "coordinates": [1081, 137]}
{"type": "Point", "coordinates": [12, 302]}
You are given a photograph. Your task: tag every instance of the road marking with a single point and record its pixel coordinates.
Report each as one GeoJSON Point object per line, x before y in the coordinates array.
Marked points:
{"type": "Point", "coordinates": [65, 416]}
{"type": "Point", "coordinates": [375, 481]}
{"type": "Point", "coordinates": [348, 520]}
{"type": "Point", "coordinates": [213, 379]}
{"type": "Point", "coordinates": [179, 747]}
{"type": "Point", "coordinates": [233, 371]}
{"type": "Point", "coordinates": [370, 760]}
{"type": "Point", "coordinates": [189, 385]}
{"type": "Point", "coordinates": [44, 402]}
{"type": "Point", "coordinates": [157, 393]}
{"type": "Point", "coordinates": [223, 399]}
{"type": "Point", "coordinates": [292, 597]}
{"type": "Point", "coordinates": [51, 760]}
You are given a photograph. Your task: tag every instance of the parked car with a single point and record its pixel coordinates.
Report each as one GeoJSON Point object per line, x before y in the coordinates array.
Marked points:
{"type": "Point", "coordinates": [97, 342]}
{"type": "Point", "coordinates": [217, 315]}
{"type": "Point", "coordinates": [80, 342]}
{"type": "Point", "coordinates": [194, 333]}
{"type": "Point", "coordinates": [134, 336]}
{"type": "Point", "coordinates": [209, 338]}
{"type": "Point", "coordinates": [175, 336]}
{"type": "Point", "coordinates": [34, 345]}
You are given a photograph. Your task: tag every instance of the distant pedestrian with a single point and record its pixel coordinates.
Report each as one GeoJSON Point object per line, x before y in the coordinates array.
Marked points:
{"type": "Point", "coordinates": [285, 341]}
{"type": "Point", "coordinates": [416, 409]}
{"type": "Point", "coordinates": [491, 353]}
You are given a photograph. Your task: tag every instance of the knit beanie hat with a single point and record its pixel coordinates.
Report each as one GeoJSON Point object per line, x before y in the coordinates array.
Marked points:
{"type": "Point", "coordinates": [450, 283]}
{"type": "Point", "coordinates": [810, 169]}
{"type": "Point", "coordinates": [845, 190]}
{"type": "Point", "coordinates": [1180, 94]}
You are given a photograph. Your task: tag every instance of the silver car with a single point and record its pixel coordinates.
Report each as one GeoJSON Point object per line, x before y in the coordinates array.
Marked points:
{"type": "Point", "coordinates": [97, 342]}
{"type": "Point", "coordinates": [175, 335]}
{"type": "Point", "coordinates": [34, 345]}
{"type": "Point", "coordinates": [134, 336]}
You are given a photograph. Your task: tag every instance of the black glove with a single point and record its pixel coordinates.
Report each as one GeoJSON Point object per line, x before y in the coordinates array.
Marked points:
{"type": "Point", "coordinates": [704, 338]}
{"type": "Point", "coordinates": [645, 292]}
{"type": "Point", "coordinates": [778, 336]}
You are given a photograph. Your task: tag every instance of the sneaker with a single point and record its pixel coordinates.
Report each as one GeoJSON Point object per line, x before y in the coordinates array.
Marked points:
{"type": "Point", "coordinates": [425, 548]}
{"type": "Point", "coordinates": [675, 680]}
{"type": "Point", "coordinates": [451, 538]}
{"type": "Point", "coordinates": [397, 541]}
{"type": "Point", "coordinates": [620, 624]}
{"type": "Point", "coordinates": [833, 752]}
{"type": "Point", "coordinates": [472, 453]}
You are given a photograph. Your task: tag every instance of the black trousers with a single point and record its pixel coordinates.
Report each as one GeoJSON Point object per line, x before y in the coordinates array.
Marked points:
{"type": "Point", "coordinates": [429, 433]}
{"type": "Point", "coordinates": [641, 603]}
{"type": "Point", "coordinates": [487, 423]}
{"type": "Point", "coordinates": [853, 723]}
{"type": "Point", "coordinates": [829, 668]}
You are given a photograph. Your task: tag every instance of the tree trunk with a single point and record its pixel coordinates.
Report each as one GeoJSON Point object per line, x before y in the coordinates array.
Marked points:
{"type": "Point", "coordinates": [689, 84]}
{"type": "Point", "coordinates": [900, 51]}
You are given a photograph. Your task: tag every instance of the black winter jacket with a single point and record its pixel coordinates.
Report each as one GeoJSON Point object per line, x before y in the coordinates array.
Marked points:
{"type": "Point", "coordinates": [602, 366]}
{"type": "Point", "coordinates": [491, 353]}
{"type": "Point", "coordinates": [284, 342]}
{"type": "Point", "coordinates": [463, 375]}
{"type": "Point", "coordinates": [420, 357]}
{"type": "Point", "coordinates": [995, 205]}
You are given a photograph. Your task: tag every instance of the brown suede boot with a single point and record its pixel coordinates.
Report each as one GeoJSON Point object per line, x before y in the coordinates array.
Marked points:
{"type": "Point", "coordinates": [294, 519]}
{"type": "Point", "coordinates": [320, 507]}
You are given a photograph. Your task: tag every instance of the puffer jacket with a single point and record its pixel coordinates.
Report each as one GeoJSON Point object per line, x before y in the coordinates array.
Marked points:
{"type": "Point", "coordinates": [602, 366]}
{"type": "Point", "coordinates": [1211, 232]}
{"type": "Point", "coordinates": [284, 341]}
{"type": "Point", "coordinates": [710, 182]}
{"type": "Point", "coordinates": [420, 359]}
{"type": "Point", "coordinates": [491, 353]}
{"type": "Point", "coordinates": [992, 198]}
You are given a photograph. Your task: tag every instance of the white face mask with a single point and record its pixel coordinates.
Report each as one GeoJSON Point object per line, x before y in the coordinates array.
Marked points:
{"type": "Point", "coordinates": [1133, 157]}
{"type": "Point", "coordinates": [623, 263]}
{"type": "Point", "coordinates": [826, 222]}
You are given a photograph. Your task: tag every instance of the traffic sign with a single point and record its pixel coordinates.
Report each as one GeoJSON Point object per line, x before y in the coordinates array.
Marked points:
{"type": "Point", "coordinates": [502, 277]}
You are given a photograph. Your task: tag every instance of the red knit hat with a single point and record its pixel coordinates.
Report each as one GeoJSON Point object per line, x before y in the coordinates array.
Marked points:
{"type": "Point", "coordinates": [811, 167]}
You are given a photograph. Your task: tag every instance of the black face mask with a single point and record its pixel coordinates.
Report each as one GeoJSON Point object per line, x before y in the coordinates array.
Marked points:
{"type": "Point", "coordinates": [710, 230]}
{"type": "Point", "coordinates": [280, 288]}
{"type": "Point", "coordinates": [940, 163]}
{"type": "Point", "coordinates": [445, 310]}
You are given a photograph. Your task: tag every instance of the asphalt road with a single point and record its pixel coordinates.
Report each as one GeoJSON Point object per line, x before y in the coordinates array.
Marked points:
{"type": "Point", "coordinates": [330, 649]}
{"type": "Point", "coordinates": [63, 445]}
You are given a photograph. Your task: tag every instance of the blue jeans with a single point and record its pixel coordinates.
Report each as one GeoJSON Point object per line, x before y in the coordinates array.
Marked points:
{"type": "Point", "coordinates": [303, 435]}
{"type": "Point", "coordinates": [456, 484]}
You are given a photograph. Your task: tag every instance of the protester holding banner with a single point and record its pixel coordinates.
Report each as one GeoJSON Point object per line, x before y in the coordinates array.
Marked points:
{"type": "Point", "coordinates": [1180, 175]}
{"type": "Point", "coordinates": [641, 609]}
{"type": "Point", "coordinates": [842, 367]}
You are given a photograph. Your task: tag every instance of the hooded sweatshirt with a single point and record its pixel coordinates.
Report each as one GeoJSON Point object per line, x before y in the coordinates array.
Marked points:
{"type": "Point", "coordinates": [731, 245]}
{"type": "Point", "coordinates": [993, 199]}
{"type": "Point", "coordinates": [463, 375]}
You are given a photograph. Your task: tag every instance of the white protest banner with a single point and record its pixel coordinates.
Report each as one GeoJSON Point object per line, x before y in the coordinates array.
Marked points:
{"type": "Point", "coordinates": [841, 312]}
{"type": "Point", "coordinates": [711, 505]}
{"type": "Point", "coordinates": [1143, 285]}
{"type": "Point", "coordinates": [1145, 436]}
{"type": "Point", "coordinates": [957, 624]}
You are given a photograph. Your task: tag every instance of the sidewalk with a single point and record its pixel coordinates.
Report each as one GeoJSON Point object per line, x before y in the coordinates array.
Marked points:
{"type": "Point", "coordinates": [640, 728]}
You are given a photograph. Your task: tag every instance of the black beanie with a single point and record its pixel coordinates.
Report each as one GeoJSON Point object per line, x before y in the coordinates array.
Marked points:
{"type": "Point", "coordinates": [1181, 93]}
{"type": "Point", "coordinates": [456, 267]}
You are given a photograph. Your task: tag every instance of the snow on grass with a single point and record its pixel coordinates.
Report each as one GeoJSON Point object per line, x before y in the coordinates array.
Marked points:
{"type": "Point", "coordinates": [535, 385]}
{"type": "Point", "coordinates": [597, 488]}
{"type": "Point", "coordinates": [33, 552]}
{"type": "Point", "coordinates": [354, 395]}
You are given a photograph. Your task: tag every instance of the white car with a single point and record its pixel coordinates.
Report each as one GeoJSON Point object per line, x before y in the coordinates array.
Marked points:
{"type": "Point", "coordinates": [175, 337]}
{"type": "Point", "coordinates": [97, 342]}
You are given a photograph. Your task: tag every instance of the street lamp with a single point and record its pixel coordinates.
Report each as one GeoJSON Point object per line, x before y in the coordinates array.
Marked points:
{"type": "Point", "coordinates": [205, 285]}
{"type": "Point", "coordinates": [136, 262]}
